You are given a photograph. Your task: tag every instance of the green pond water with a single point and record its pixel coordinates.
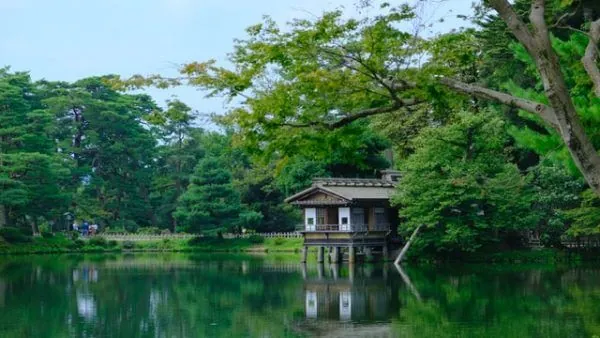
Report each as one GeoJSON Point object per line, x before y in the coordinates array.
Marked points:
{"type": "Point", "coordinates": [172, 295]}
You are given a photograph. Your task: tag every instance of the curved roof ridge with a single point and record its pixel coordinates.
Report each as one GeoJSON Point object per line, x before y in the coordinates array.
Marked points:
{"type": "Point", "coordinates": [356, 182]}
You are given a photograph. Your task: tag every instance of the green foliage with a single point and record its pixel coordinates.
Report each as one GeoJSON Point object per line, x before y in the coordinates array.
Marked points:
{"type": "Point", "coordinates": [556, 191]}
{"type": "Point", "coordinates": [586, 217]}
{"type": "Point", "coordinates": [533, 134]}
{"type": "Point", "coordinates": [74, 235]}
{"type": "Point", "coordinates": [256, 239]}
{"type": "Point", "coordinates": [78, 244]}
{"type": "Point", "coordinates": [210, 200]}
{"type": "Point", "coordinates": [149, 230]}
{"type": "Point", "coordinates": [14, 235]}
{"type": "Point", "coordinates": [47, 234]}
{"type": "Point", "coordinates": [460, 185]}
{"type": "Point", "coordinates": [121, 161]}
{"type": "Point", "coordinates": [98, 241]}
{"type": "Point", "coordinates": [128, 245]}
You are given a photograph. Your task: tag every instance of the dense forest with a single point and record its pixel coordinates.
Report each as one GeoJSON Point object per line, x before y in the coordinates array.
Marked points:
{"type": "Point", "coordinates": [488, 151]}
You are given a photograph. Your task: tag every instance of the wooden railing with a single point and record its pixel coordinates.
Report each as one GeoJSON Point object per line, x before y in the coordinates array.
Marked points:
{"type": "Point", "coordinates": [143, 237]}
{"type": "Point", "coordinates": [534, 240]}
{"type": "Point", "coordinates": [266, 235]}
{"type": "Point", "coordinates": [156, 237]}
{"type": "Point", "coordinates": [344, 227]}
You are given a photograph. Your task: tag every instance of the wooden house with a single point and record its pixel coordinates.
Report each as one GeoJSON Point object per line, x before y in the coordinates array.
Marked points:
{"type": "Point", "coordinates": [348, 215]}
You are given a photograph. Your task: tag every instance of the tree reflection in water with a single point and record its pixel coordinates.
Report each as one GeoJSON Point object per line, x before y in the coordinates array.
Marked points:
{"type": "Point", "coordinates": [208, 296]}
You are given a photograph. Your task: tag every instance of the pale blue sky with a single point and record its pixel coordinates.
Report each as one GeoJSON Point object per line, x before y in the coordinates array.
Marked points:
{"type": "Point", "coordinates": [72, 39]}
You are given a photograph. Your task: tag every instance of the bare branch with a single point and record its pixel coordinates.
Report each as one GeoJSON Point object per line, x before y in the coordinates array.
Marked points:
{"type": "Point", "coordinates": [563, 18]}
{"type": "Point", "coordinates": [545, 112]}
{"type": "Point", "coordinates": [590, 57]}
{"type": "Point", "coordinates": [404, 103]}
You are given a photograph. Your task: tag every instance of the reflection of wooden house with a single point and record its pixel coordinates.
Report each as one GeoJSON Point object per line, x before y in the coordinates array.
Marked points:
{"type": "Point", "coordinates": [348, 213]}
{"type": "Point", "coordinates": [357, 296]}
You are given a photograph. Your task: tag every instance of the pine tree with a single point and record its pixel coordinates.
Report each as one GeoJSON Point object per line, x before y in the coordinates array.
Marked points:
{"type": "Point", "coordinates": [210, 200]}
{"type": "Point", "coordinates": [31, 169]}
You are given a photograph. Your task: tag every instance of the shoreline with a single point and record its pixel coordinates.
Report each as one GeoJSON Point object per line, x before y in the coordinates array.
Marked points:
{"type": "Point", "coordinates": [288, 246]}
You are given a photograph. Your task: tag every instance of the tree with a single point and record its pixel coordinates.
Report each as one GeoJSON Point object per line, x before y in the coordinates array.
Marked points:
{"type": "Point", "coordinates": [178, 153]}
{"type": "Point", "coordinates": [330, 72]}
{"type": "Point", "coordinates": [560, 113]}
{"type": "Point", "coordinates": [460, 185]}
{"type": "Point", "coordinates": [113, 151]}
{"type": "Point", "coordinates": [31, 171]}
{"type": "Point", "coordinates": [556, 194]}
{"type": "Point", "coordinates": [210, 200]}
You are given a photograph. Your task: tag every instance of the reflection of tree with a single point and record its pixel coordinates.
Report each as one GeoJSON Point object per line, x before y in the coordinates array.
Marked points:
{"type": "Point", "coordinates": [488, 303]}
{"type": "Point", "coordinates": [202, 299]}
{"type": "Point", "coordinates": [174, 296]}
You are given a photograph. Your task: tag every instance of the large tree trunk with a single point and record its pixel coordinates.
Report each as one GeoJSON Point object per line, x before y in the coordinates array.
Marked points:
{"type": "Point", "coordinates": [571, 131]}
{"type": "Point", "coordinates": [537, 42]}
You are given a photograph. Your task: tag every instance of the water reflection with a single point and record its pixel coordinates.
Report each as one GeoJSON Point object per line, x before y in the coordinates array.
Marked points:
{"type": "Point", "coordinates": [350, 293]}
{"type": "Point", "coordinates": [210, 296]}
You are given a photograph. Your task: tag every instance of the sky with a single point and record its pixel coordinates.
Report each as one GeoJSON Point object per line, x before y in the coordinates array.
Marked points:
{"type": "Point", "coordinates": [68, 40]}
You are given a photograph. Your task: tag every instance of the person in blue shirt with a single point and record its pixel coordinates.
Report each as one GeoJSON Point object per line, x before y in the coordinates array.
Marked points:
{"type": "Point", "coordinates": [85, 227]}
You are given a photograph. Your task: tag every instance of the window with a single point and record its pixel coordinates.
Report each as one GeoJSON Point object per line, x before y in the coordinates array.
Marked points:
{"type": "Point", "coordinates": [358, 216]}
{"type": "Point", "coordinates": [380, 216]}
{"type": "Point", "coordinates": [310, 221]}
{"type": "Point", "coordinates": [321, 216]}
{"type": "Point", "coordinates": [344, 220]}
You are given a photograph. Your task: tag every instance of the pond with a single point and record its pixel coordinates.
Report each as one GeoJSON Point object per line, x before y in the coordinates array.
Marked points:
{"type": "Point", "coordinates": [176, 295]}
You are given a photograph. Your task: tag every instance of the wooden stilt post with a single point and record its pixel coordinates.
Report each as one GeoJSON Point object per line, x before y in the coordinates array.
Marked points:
{"type": "Point", "coordinates": [335, 255]}
{"type": "Point", "coordinates": [335, 268]}
{"type": "Point", "coordinates": [320, 254]}
{"type": "Point", "coordinates": [351, 255]}
{"type": "Point", "coordinates": [368, 254]}
{"type": "Point", "coordinates": [407, 245]}
{"type": "Point", "coordinates": [385, 253]}
{"type": "Point", "coordinates": [304, 254]}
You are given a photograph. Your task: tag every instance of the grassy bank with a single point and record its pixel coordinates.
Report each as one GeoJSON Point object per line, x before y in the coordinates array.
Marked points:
{"type": "Point", "coordinates": [62, 244]}
{"type": "Point", "coordinates": [517, 256]}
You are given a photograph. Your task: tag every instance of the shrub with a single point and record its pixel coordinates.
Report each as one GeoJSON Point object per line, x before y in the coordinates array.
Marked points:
{"type": "Point", "coordinates": [256, 239]}
{"type": "Point", "coordinates": [14, 235]}
{"type": "Point", "coordinates": [196, 240]}
{"type": "Point", "coordinates": [128, 245]}
{"type": "Point", "coordinates": [206, 240]}
{"type": "Point", "coordinates": [149, 231]}
{"type": "Point", "coordinates": [26, 231]}
{"type": "Point", "coordinates": [44, 228]}
{"type": "Point", "coordinates": [98, 241]}
{"type": "Point", "coordinates": [75, 235]}
{"type": "Point", "coordinates": [279, 241]}
{"type": "Point", "coordinates": [78, 243]}
{"type": "Point", "coordinates": [109, 230]}
{"type": "Point", "coordinates": [113, 243]}
{"type": "Point", "coordinates": [131, 226]}
{"type": "Point", "coordinates": [47, 234]}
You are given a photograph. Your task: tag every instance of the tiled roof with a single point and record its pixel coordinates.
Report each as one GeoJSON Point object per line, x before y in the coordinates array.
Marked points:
{"type": "Point", "coordinates": [348, 189]}
{"type": "Point", "coordinates": [352, 182]}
